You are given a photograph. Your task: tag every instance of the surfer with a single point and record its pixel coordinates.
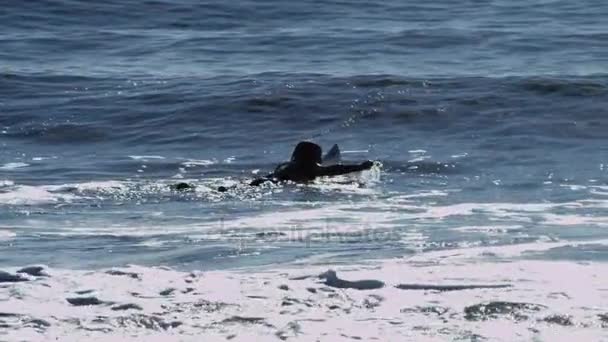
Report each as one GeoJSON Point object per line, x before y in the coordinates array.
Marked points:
{"type": "Point", "coordinates": [306, 165]}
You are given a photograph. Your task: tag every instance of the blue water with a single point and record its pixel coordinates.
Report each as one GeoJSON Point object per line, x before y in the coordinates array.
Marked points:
{"type": "Point", "coordinates": [489, 119]}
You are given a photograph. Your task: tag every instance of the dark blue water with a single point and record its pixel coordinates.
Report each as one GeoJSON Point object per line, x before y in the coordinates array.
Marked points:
{"type": "Point", "coordinates": [489, 118]}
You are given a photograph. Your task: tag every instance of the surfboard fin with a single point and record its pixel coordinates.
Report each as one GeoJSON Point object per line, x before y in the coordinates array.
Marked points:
{"type": "Point", "coordinates": [333, 156]}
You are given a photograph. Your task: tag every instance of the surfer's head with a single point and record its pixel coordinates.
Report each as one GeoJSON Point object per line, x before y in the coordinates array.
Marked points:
{"type": "Point", "coordinates": [307, 152]}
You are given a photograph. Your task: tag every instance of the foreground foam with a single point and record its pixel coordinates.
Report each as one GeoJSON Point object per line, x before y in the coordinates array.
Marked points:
{"type": "Point", "coordinates": [432, 298]}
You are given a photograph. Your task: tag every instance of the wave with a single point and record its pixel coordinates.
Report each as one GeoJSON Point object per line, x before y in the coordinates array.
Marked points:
{"type": "Point", "coordinates": [281, 97]}
{"type": "Point", "coordinates": [61, 134]}
{"type": "Point", "coordinates": [566, 87]}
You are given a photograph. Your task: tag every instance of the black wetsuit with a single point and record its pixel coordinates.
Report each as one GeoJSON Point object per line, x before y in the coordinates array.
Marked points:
{"type": "Point", "coordinates": [305, 172]}
{"type": "Point", "coordinates": [305, 166]}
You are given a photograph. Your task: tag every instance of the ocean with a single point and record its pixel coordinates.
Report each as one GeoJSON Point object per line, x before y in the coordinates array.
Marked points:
{"type": "Point", "coordinates": [488, 120]}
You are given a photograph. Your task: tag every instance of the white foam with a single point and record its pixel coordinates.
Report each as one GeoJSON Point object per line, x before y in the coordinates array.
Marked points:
{"type": "Point", "coordinates": [419, 194]}
{"type": "Point", "coordinates": [489, 229]}
{"type": "Point", "coordinates": [199, 162]}
{"type": "Point", "coordinates": [460, 155]}
{"type": "Point", "coordinates": [6, 234]}
{"type": "Point", "coordinates": [574, 187]}
{"type": "Point", "coordinates": [572, 220]}
{"type": "Point", "coordinates": [6, 183]}
{"type": "Point", "coordinates": [418, 159]}
{"type": "Point", "coordinates": [146, 157]}
{"type": "Point", "coordinates": [291, 302]}
{"type": "Point", "coordinates": [461, 256]}
{"type": "Point", "coordinates": [599, 190]}
{"type": "Point", "coordinates": [100, 185]}
{"type": "Point", "coordinates": [28, 195]}
{"type": "Point", "coordinates": [13, 166]}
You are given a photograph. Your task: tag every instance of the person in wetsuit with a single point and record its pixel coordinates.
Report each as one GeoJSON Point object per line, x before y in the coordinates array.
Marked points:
{"type": "Point", "coordinates": [305, 165]}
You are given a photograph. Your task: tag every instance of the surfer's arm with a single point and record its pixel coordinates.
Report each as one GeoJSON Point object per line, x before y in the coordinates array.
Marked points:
{"type": "Point", "coordinates": [254, 182]}
{"type": "Point", "coordinates": [281, 173]}
{"type": "Point", "coordinates": [340, 169]}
